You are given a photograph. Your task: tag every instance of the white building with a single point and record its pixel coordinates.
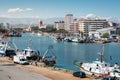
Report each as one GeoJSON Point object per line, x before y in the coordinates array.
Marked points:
{"type": "Point", "coordinates": [88, 25]}
{"type": "Point", "coordinates": [59, 25]}
{"type": "Point", "coordinates": [98, 33]}
{"type": "Point", "coordinates": [68, 20]}
{"type": "Point", "coordinates": [5, 25]}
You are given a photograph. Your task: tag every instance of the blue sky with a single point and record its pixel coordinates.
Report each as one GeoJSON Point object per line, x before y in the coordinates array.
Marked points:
{"type": "Point", "coordinates": [58, 8]}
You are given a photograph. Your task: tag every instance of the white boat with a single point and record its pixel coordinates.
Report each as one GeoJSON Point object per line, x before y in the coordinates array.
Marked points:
{"type": "Point", "coordinates": [6, 49]}
{"type": "Point", "coordinates": [28, 52]}
{"type": "Point", "coordinates": [76, 40]}
{"type": "Point", "coordinates": [98, 67]}
{"type": "Point", "coordinates": [39, 33]}
{"type": "Point", "coordinates": [115, 73]}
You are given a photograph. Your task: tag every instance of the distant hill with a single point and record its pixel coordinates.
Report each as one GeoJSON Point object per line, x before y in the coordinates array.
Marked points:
{"type": "Point", "coordinates": [45, 21]}
{"type": "Point", "coordinates": [29, 20]}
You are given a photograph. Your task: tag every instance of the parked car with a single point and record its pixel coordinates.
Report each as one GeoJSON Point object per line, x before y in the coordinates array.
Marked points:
{"type": "Point", "coordinates": [79, 74]}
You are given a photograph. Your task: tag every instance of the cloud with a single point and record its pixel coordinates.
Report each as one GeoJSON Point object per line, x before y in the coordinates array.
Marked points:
{"type": "Point", "coordinates": [90, 15]}
{"type": "Point", "coordinates": [3, 16]}
{"type": "Point", "coordinates": [28, 9]}
{"type": "Point", "coordinates": [34, 17]}
{"type": "Point", "coordinates": [15, 10]}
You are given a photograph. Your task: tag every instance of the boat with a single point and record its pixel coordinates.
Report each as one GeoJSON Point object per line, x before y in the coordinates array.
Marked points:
{"type": "Point", "coordinates": [67, 39]}
{"type": "Point", "coordinates": [77, 40]}
{"type": "Point", "coordinates": [39, 34]}
{"type": "Point", "coordinates": [5, 35]}
{"type": "Point", "coordinates": [6, 49]}
{"type": "Point", "coordinates": [28, 52]}
{"type": "Point", "coordinates": [115, 73]}
{"type": "Point", "coordinates": [98, 67]}
{"type": "Point", "coordinates": [49, 58]}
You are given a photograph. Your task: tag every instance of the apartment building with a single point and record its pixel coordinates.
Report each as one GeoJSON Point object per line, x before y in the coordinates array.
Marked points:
{"type": "Point", "coordinates": [88, 25]}
{"type": "Point", "coordinates": [68, 20]}
{"type": "Point", "coordinates": [59, 25]}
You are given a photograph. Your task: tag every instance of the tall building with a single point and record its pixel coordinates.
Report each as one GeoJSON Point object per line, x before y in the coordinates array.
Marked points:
{"type": "Point", "coordinates": [59, 25]}
{"type": "Point", "coordinates": [74, 28]}
{"type": "Point", "coordinates": [68, 20]}
{"type": "Point", "coordinates": [87, 25]}
{"type": "Point", "coordinates": [40, 24]}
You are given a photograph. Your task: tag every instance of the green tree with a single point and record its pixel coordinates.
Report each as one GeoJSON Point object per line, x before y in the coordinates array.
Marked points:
{"type": "Point", "coordinates": [118, 32]}
{"type": "Point", "coordinates": [105, 35]}
{"type": "Point", "coordinates": [61, 31]}
{"type": "Point", "coordinates": [2, 30]}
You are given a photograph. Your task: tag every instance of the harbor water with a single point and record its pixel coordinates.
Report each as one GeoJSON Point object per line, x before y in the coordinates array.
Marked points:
{"type": "Point", "coordinates": [67, 52]}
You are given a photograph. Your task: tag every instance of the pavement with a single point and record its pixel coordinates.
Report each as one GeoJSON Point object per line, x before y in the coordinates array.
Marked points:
{"type": "Point", "coordinates": [11, 72]}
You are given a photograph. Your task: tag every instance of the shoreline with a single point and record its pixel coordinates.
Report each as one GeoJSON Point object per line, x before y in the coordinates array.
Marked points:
{"type": "Point", "coordinates": [49, 72]}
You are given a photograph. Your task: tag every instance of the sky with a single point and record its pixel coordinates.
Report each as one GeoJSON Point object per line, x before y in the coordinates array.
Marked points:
{"type": "Point", "coordinates": [58, 8]}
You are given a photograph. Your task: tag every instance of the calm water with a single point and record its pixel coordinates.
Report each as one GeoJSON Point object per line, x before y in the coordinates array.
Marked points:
{"type": "Point", "coordinates": [67, 52]}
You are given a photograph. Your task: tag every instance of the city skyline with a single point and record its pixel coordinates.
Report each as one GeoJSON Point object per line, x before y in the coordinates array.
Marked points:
{"type": "Point", "coordinates": [58, 8]}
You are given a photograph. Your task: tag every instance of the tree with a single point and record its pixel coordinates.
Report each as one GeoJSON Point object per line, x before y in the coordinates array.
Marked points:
{"type": "Point", "coordinates": [3, 30]}
{"type": "Point", "coordinates": [61, 31]}
{"type": "Point", "coordinates": [118, 32]}
{"type": "Point", "coordinates": [105, 35]}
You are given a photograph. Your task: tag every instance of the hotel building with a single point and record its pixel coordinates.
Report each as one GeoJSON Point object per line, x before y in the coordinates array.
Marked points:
{"type": "Point", "coordinates": [59, 25]}
{"type": "Point", "coordinates": [88, 25]}
{"type": "Point", "coordinates": [74, 27]}
{"type": "Point", "coordinates": [68, 20]}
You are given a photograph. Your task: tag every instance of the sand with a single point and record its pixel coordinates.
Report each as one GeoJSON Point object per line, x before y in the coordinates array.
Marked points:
{"type": "Point", "coordinates": [49, 72]}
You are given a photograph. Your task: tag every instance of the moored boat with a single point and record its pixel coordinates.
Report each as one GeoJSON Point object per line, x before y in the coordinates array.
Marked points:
{"type": "Point", "coordinates": [98, 67]}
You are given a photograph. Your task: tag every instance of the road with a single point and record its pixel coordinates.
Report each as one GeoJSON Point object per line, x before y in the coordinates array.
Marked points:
{"type": "Point", "coordinates": [11, 72]}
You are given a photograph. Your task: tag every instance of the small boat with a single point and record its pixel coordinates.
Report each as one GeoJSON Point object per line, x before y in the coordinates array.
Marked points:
{"type": "Point", "coordinates": [28, 52]}
{"type": "Point", "coordinates": [6, 49]}
{"type": "Point", "coordinates": [98, 67]}
{"type": "Point", "coordinates": [77, 40]}
{"type": "Point", "coordinates": [49, 57]}
{"type": "Point", "coordinates": [5, 35]}
{"type": "Point", "coordinates": [39, 34]}
{"type": "Point", "coordinates": [115, 73]}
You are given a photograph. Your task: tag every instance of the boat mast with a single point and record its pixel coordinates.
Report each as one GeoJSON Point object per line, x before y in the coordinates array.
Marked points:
{"type": "Point", "coordinates": [102, 53]}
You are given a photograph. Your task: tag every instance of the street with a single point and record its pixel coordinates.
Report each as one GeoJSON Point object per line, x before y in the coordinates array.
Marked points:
{"type": "Point", "coordinates": [11, 72]}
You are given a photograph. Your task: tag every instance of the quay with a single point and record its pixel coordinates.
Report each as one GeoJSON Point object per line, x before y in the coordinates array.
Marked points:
{"type": "Point", "coordinates": [30, 72]}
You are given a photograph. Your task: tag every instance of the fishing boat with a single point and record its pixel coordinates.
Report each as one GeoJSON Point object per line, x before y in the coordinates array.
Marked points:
{"type": "Point", "coordinates": [77, 40]}
{"type": "Point", "coordinates": [6, 48]}
{"type": "Point", "coordinates": [28, 52]}
{"type": "Point", "coordinates": [49, 57]}
{"type": "Point", "coordinates": [98, 67]}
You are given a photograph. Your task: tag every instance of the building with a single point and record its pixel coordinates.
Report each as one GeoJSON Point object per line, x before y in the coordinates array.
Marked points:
{"type": "Point", "coordinates": [99, 33]}
{"type": "Point", "coordinates": [40, 24]}
{"type": "Point", "coordinates": [88, 25]}
{"type": "Point", "coordinates": [74, 28]}
{"type": "Point", "coordinates": [5, 25]}
{"type": "Point", "coordinates": [68, 20]}
{"type": "Point", "coordinates": [113, 24]}
{"type": "Point", "coordinates": [59, 25]}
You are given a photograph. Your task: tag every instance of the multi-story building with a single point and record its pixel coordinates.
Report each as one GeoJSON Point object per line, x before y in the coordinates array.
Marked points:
{"type": "Point", "coordinates": [5, 25]}
{"type": "Point", "coordinates": [68, 20]}
{"type": "Point", "coordinates": [88, 25]}
{"type": "Point", "coordinates": [59, 25]}
{"type": "Point", "coordinates": [40, 23]}
{"type": "Point", "coordinates": [74, 27]}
